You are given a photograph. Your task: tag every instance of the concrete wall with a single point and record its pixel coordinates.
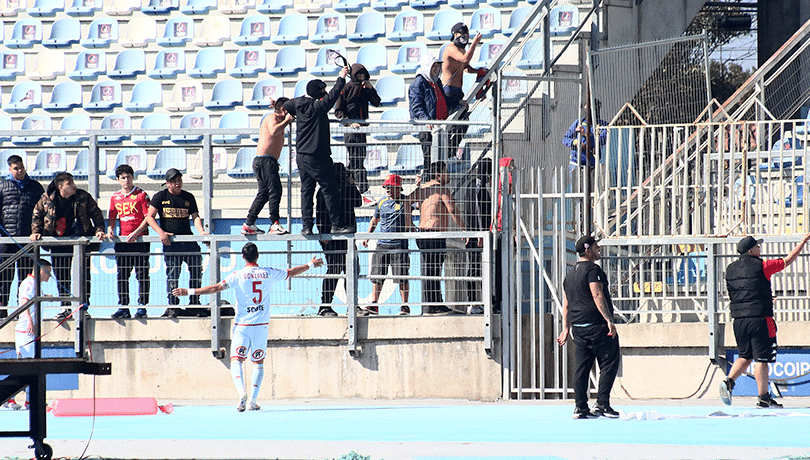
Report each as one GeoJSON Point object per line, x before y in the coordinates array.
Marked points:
{"type": "Point", "coordinates": [629, 21]}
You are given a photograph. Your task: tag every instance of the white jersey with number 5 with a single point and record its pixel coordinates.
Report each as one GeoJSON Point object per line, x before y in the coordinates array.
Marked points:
{"type": "Point", "coordinates": [252, 286]}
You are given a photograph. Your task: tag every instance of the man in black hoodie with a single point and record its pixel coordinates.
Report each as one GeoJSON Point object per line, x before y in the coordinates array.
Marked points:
{"type": "Point", "coordinates": [313, 153]}
{"type": "Point", "coordinates": [353, 104]}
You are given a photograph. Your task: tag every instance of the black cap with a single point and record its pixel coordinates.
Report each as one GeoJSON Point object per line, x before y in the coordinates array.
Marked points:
{"type": "Point", "coordinates": [748, 243]}
{"type": "Point", "coordinates": [172, 174]}
{"type": "Point", "coordinates": [584, 243]}
{"type": "Point", "coordinates": [459, 27]}
{"type": "Point", "coordinates": [315, 88]}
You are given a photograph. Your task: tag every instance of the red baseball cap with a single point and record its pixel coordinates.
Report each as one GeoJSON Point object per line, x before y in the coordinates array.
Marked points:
{"type": "Point", "coordinates": [392, 180]}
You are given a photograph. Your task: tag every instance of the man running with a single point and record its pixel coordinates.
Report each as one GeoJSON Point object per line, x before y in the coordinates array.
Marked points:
{"type": "Point", "coordinates": [250, 325]}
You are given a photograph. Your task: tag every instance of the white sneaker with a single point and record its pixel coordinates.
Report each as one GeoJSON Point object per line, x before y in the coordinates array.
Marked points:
{"type": "Point", "coordinates": [725, 387]}
{"type": "Point", "coordinates": [253, 406]}
{"type": "Point", "coordinates": [242, 403]}
{"type": "Point", "coordinates": [11, 404]}
{"type": "Point", "coordinates": [277, 229]}
{"type": "Point", "coordinates": [251, 230]}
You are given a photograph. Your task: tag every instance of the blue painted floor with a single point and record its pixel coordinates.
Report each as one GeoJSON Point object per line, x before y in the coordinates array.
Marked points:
{"type": "Point", "coordinates": [415, 429]}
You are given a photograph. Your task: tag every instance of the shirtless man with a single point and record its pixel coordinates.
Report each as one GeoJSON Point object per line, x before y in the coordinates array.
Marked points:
{"type": "Point", "coordinates": [455, 62]}
{"type": "Point", "coordinates": [265, 167]}
{"type": "Point", "coordinates": [436, 208]}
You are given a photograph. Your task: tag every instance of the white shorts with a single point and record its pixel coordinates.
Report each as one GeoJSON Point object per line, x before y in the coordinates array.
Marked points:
{"type": "Point", "coordinates": [24, 343]}
{"type": "Point", "coordinates": [251, 338]}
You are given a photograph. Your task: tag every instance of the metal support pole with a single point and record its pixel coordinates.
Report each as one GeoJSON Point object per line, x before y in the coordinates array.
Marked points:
{"type": "Point", "coordinates": [486, 292]}
{"type": "Point", "coordinates": [93, 169]}
{"type": "Point", "coordinates": [712, 299]}
{"type": "Point", "coordinates": [207, 182]}
{"type": "Point", "coordinates": [507, 301]}
{"type": "Point", "coordinates": [78, 289]}
{"type": "Point", "coordinates": [213, 277]}
{"type": "Point", "coordinates": [37, 306]}
{"type": "Point", "coordinates": [351, 296]}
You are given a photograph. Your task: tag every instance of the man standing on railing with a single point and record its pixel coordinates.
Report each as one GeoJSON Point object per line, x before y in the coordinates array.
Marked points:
{"type": "Point", "coordinates": [751, 303]}
{"type": "Point", "coordinates": [65, 210]}
{"type": "Point", "coordinates": [18, 196]}
{"type": "Point", "coordinates": [313, 152]}
{"type": "Point", "coordinates": [175, 207]}
{"type": "Point", "coordinates": [587, 309]}
{"type": "Point", "coordinates": [455, 61]}
{"type": "Point", "coordinates": [250, 325]}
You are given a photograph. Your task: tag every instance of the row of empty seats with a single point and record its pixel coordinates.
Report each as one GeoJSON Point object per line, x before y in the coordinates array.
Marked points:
{"type": "Point", "coordinates": [83, 8]}
{"type": "Point", "coordinates": [254, 30]}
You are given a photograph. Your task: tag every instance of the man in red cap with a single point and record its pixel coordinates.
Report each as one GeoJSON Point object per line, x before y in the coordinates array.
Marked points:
{"type": "Point", "coordinates": [393, 217]}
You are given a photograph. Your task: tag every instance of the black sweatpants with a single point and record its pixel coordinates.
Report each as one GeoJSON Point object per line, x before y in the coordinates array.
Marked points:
{"type": "Point", "coordinates": [318, 169]}
{"type": "Point", "coordinates": [592, 343]}
{"type": "Point", "coordinates": [265, 168]}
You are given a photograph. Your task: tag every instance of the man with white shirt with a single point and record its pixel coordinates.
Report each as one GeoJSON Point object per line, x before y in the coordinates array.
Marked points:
{"type": "Point", "coordinates": [250, 325]}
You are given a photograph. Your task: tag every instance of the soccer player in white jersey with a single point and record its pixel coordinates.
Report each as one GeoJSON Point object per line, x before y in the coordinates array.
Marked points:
{"type": "Point", "coordinates": [252, 286]}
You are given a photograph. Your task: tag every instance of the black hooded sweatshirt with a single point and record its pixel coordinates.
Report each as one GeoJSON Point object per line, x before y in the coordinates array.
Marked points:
{"type": "Point", "coordinates": [356, 96]}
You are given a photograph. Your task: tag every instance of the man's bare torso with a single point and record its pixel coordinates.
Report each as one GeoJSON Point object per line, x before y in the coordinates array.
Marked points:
{"type": "Point", "coordinates": [271, 136]}
{"type": "Point", "coordinates": [433, 211]}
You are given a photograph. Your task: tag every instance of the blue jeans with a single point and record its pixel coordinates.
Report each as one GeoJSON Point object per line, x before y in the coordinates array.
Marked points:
{"type": "Point", "coordinates": [193, 259]}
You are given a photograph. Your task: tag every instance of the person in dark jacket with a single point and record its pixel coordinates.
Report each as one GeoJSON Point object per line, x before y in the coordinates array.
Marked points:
{"type": "Point", "coordinates": [65, 210]}
{"type": "Point", "coordinates": [18, 196]}
{"type": "Point", "coordinates": [477, 217]}
{"type": "Point", "coordinates": [751, 303]}
{"type": "Point", "coordinates": [353, 104]}
{"type": "Point", "coordinates": [313, 153]}
{"type": "Point", "coordinates": [335, 250]}
{"type": "Point", "coordinates": [426, 100]}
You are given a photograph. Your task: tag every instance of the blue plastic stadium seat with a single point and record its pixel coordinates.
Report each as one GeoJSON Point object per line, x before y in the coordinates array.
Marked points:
{"type": "Point", "coordinates": [213, 31]}
{"type": "Point", "coordinates": [443, 21]}
{"type": "Point", "coordinates": [33, 123]}
{"type": "Point", "coordinates": [178, 31]}
{"type": "Point", "coordinates": [376, 158]}
{"type": "Point", "coordinates": [120, 7]}
{"type": "Point", "coordinates": [198, 6]}
{"type": "Point", "coordinates": [392, 114]}
{"type": "Point", "coordinates": [229, 121]}
{"type": "Point", "coordinates": [243, 167]}
{"type": "Point", "coordinates": [186, 95]}
{"type": "Point", "coordinates": [116, 121]}
{"type": "Point", "coordinates": [208, 63]}
{"type": "Point", "coordinates": [25, 97]}
{"type": "Point", "coordinates": [102, 32]}
{"type": "Point", "coordinates": [10, 8]}
{"type": "Point", "coordinates": [226, 94]}
{"type": "Point", "coordinates": [133, 156]}
{"type": "Point", "coordinates": [89, 65]}
{"type": "Point", "coordinates": [502, 3]}
{"type": "Point", "coordinates": [254, 30]}
{"type": "Point", "coordinates": [129, 64]}
{"type": "Point", "coordinates": [330, 28]}
{"type": "Point", "coordinates": [49, 162]}
{"type": "Point", "coordinates": [513, 89]}
{"type": "Point", "coordinates": [273, 6]}
{"type": "Point", "coordinates": [563, 20]}
{"type": "Point", "coordinates": [301, 87]}
{"type": "Point", "coordinates": [263, 92]}
{"type": "Point", "coordinates": [167, 158]}
{"type": "Point", "coordinates": [516, 19]}
{"type": "Point", "coordinates": [26, 33]}
{"type": "Point", "coordinates": [65, 97]}
{"type": "Point", "coordinates": [74, 123]}
{"type": "Point", "coordinates": [408, 58]}
{"type": "Point", "coordinates": [325, 61]}
{"type": "Point", "coordinates": [292, 28]}
{"type": "Point", "coordinates": [350, 6]}
{"type": "Point", "coordinates": [81, 165]}
{"type": "Point", "coordinates": [196, 120]}
{"type": "Point", "coordinates": [369, 27]}
{"type": "Point", "coordinates": [486, 21]}
{"type": "Point", "coordinates": [8, 152]}
{"type": "Point", "coordinates": [153, 121]}
{"type": "Point", "coordinates": [83, 7]}
{"type": "Point", "coordinates": [489, 51]}
{"type": "Point", "coordinates": [409, 160]}
{"type": "Point", "coordinates": [374, 57]}
{"type": "Point", "coordinates": [169, 63]}
{"type": "Point", "coordinates": [5, 125]}
{"type": "Point", "coordinates": [426, 4]}
{"type": "Point", "coordinates": [49, 64]}
{"type": "Point", "coordinates": [236, 6]}
{"type": "Point", "coordinates": [480, 113]}
{"type": "Point", "coordinates": [146, 95]}
{"type": "Point", "coordinates": [105, 96]}
{"type": "Point", "coordinates": [65, 32]}
{"type": "Point", "coordinates": [391, 89]}
{"type": "Point", "coordinates": [141, 30]}
{"type": "Point", "coordinates": [289, 61]}
{"type": "Point", "coordinates": [407, 26]}
{"type": "Point", "coordinates": [13, 64]}
{"type": "Point", "coordinates": [388, 5]}
{"type": "Point", "coordinates": [339, 153]}
{"type": "Point", "coordinates": [531, 57]}
{"type": "Point", "coordinates": [463, 4]}
{"type": "Point", "coordinates": [249, 62]}
{"type": "Point", "coordinates": [161, 6]}
{"type": "Point", "coordinates": [46, 8]}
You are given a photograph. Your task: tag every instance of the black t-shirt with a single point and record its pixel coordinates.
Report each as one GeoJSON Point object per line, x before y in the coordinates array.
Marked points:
{"type": "Point", "coordinates": [175, 211]}
{"type": "Point", "coordinates": [581, 307]}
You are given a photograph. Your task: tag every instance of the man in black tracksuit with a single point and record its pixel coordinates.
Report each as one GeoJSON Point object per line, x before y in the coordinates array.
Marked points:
{"type": "Point", "coordinates": [751, 303]}
{"type": "Point", "coordinates": [588, 308]}
{"type": "Point", "coordinates": [313, 155]}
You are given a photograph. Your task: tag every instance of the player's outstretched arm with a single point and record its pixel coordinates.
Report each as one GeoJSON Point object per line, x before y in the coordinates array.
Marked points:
{"type": "Point", "coordinates": [212, 289]}
{"type": "Point", "coordinates": [295, 271]}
